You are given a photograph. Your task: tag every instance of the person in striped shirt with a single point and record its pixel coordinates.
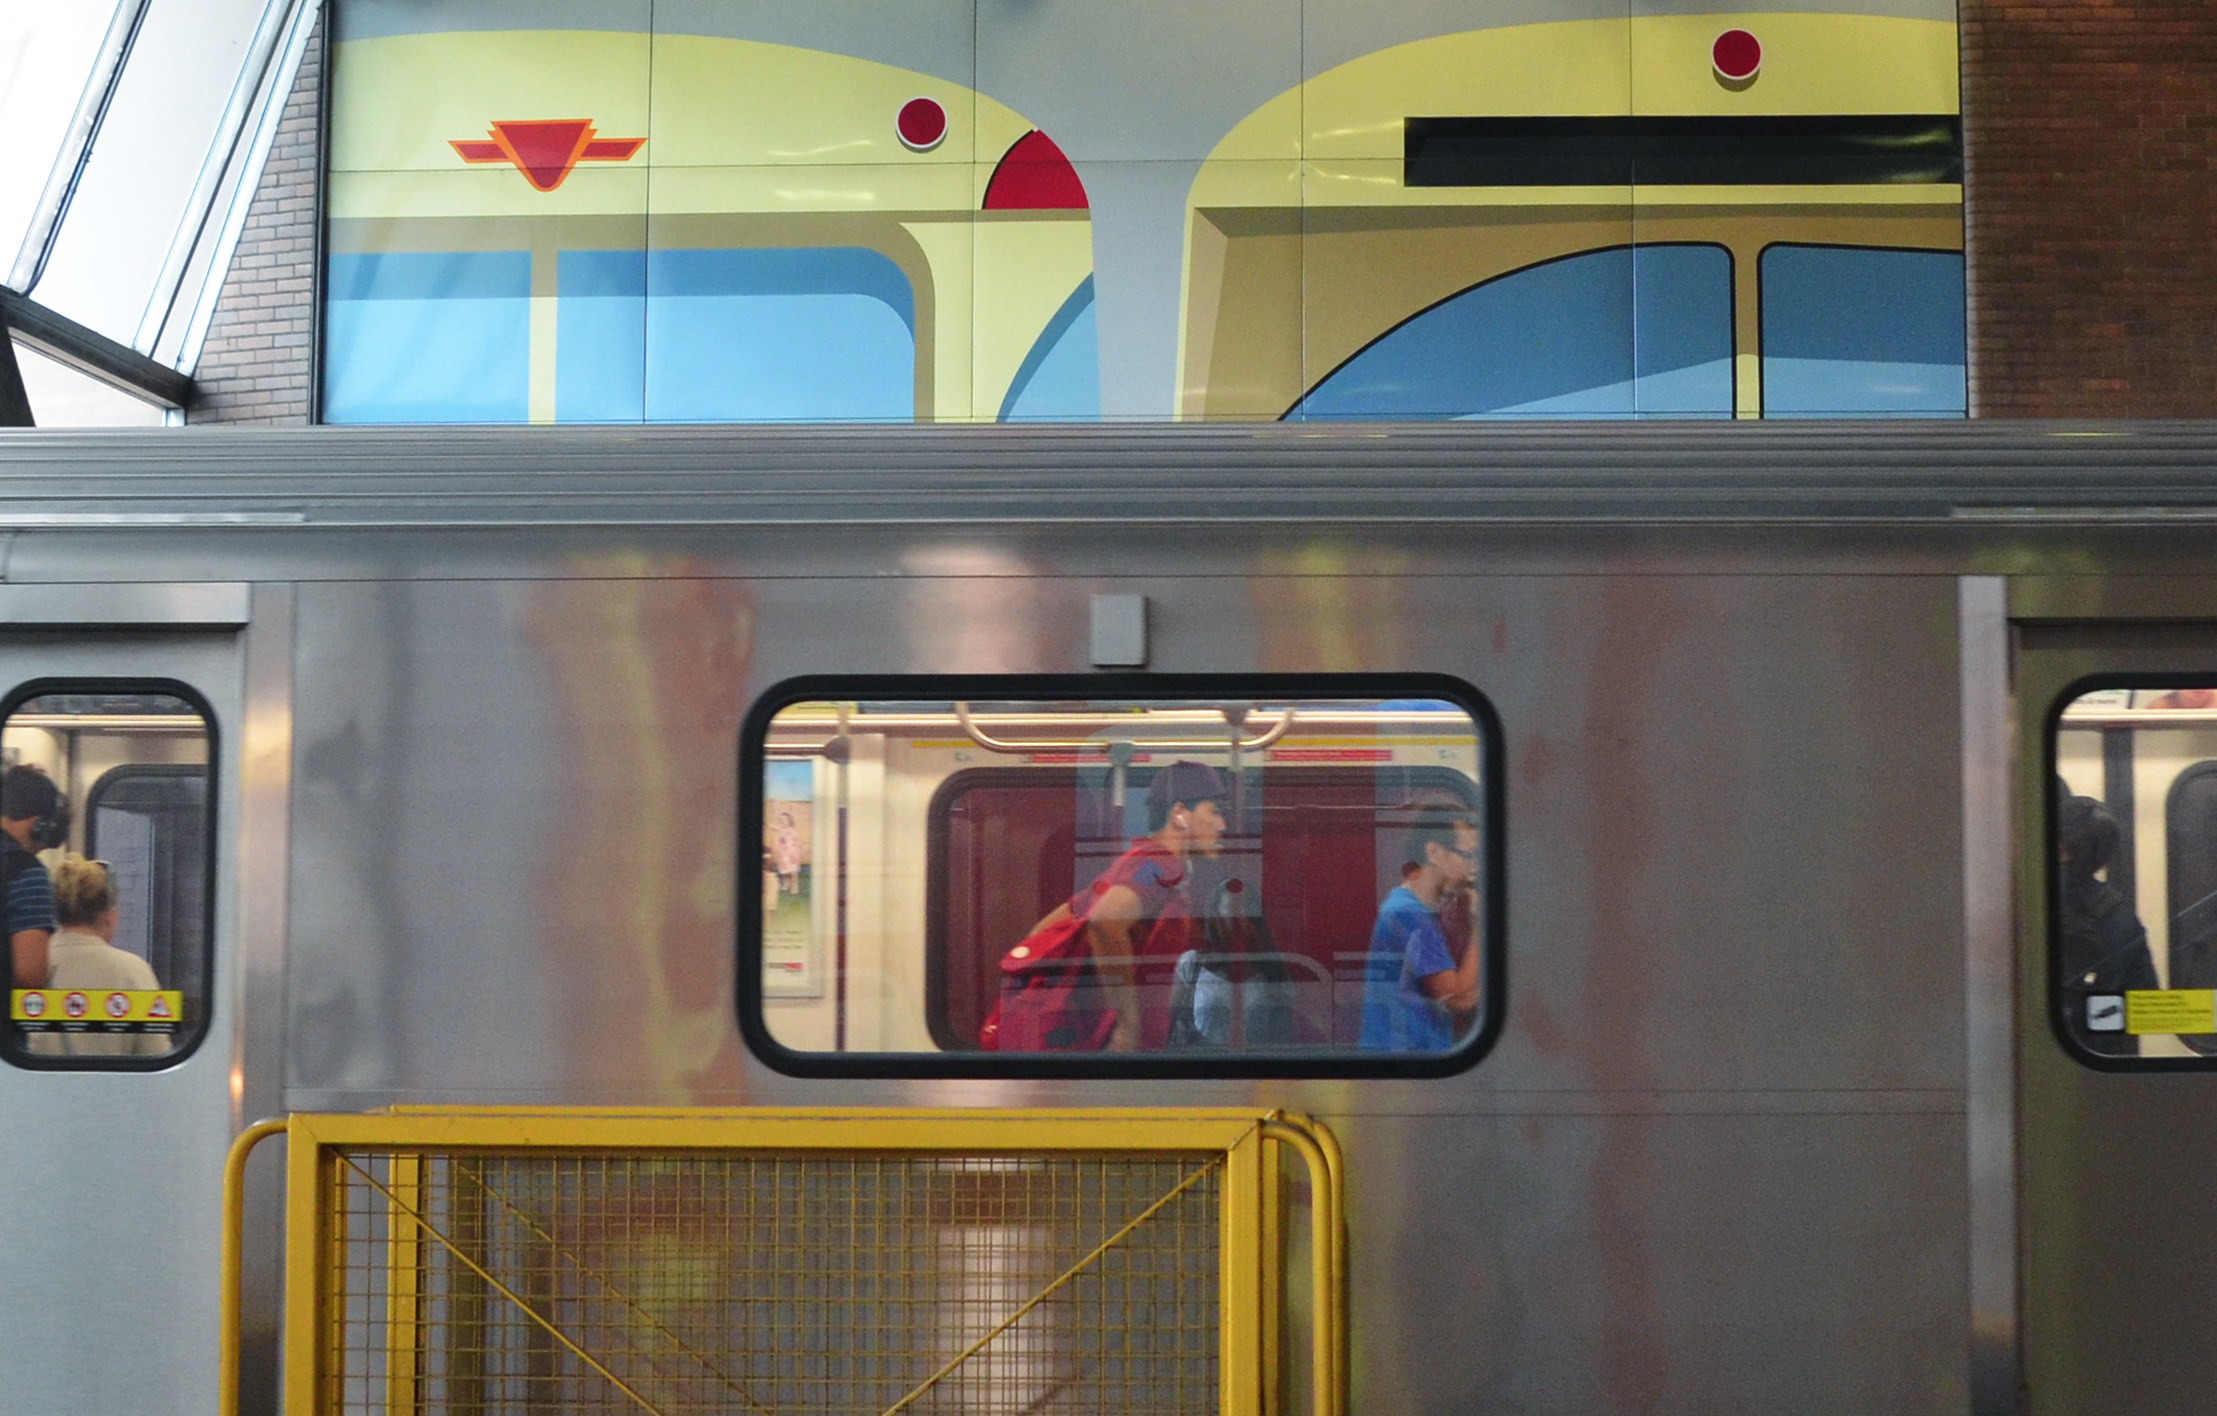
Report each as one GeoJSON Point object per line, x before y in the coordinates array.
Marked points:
{"type": "Point", "coordinates": [30, 812]}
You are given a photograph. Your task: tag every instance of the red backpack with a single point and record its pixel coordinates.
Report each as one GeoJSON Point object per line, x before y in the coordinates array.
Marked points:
{"type": "Point", "coordinates": [1051, 997]}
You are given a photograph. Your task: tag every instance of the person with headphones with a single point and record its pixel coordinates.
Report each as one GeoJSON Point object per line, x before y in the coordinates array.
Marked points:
{"type": "Point", "coordinates": [34, 816]}
{"type": "Point", "coordinates": [1071, 984]}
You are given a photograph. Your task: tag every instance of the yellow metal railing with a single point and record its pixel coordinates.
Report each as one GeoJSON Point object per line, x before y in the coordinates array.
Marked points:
{"type": "Point", "coordinates": [779, 1262]}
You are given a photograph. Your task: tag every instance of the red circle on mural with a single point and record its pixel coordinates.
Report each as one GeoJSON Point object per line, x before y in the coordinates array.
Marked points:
{"type": "Point", "coordinates": [922, 124]}
{"type": "Point", "coordinates": [1737, 54]}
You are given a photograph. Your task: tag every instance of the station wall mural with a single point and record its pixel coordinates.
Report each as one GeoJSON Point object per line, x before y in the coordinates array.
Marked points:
{"type": "Point", "coordinates": [1141, 210]}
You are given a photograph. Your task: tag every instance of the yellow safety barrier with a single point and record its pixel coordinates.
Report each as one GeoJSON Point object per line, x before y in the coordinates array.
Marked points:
{"type": "Point", "coordinates": [784, 1261]}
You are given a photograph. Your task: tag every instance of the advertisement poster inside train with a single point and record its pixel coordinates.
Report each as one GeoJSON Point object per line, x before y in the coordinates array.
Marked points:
{"type": "Point", "coordinates": [978, 211]}
{"type": "Point", "coordinates": [788, 870]}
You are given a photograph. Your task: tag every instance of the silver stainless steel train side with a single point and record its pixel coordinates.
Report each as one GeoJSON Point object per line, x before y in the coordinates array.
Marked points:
{"type": "Point", "coordinates": [1777, 1123]}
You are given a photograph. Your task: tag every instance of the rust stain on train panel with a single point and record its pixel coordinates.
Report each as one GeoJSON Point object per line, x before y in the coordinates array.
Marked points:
{"type": "Point", "coordinates": [1639, 621]}
{"type": "Point", "coordinates": [1327, 609]}
{"type": "Point", "coordinates": [646, 678]}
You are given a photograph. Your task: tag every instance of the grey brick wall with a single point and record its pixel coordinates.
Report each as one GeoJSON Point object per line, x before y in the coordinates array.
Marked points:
{"type": "Point", "coordinates": [258, 364]}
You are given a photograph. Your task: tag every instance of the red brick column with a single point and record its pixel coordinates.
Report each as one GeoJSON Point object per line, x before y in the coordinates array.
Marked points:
{"type": "Point", "coordinates": [2091, 136]}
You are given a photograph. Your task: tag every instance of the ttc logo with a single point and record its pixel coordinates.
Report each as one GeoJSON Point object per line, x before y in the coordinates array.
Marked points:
{"type": "Point", "coordinates": [546, 150]}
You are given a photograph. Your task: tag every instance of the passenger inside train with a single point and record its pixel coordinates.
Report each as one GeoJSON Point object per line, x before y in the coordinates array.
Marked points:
{"type": "Point", "coordinates": [112, 900]}
{"type": "Point", "coordinates": [1172, 877]}
{"type": "Point", "coordinates": [1420, 989]}
{"type": "Point", "coordinates": [82, 957]}
{"type": "Point", "coordinates": [2134, 904]}
{"type": "Point", "coordinates": [2102, 948]}
{"type": "Point", "coordinates": [32, 818]}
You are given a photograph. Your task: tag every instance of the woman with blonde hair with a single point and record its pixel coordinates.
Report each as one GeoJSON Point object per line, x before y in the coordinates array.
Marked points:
{"type": "Point", "coordinates": [80, 956]}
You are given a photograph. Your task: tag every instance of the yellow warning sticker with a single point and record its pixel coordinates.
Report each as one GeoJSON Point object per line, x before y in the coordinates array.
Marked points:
{"type": "Point", "coordinates": [96, 1009]}
{"type": "Point", "coordinates": [2171, 1010]}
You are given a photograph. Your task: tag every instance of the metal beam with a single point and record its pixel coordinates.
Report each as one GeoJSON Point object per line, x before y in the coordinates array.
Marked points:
{"type": "Point", "coordinates": [91, 352]}
{"type": "Point", "coordinates": [15, 404]}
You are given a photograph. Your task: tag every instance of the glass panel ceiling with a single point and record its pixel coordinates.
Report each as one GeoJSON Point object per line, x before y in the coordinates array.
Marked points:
{"type": "Point", "coordinates": [46, 51]}
{"type": "Point", "coordinates": [61, 397]}
{"type": "Point", "coordinates": [177, 132]}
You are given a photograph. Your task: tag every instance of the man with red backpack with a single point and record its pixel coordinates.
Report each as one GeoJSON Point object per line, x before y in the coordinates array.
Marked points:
{"type": "Point", "coordinates": [1070, 985]}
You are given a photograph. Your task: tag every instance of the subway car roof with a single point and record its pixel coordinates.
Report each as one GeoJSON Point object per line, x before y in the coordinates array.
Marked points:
{"type": "Point", "coordinates": [1920, 474]}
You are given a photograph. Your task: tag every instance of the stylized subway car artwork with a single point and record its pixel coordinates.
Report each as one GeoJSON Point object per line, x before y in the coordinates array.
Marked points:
{"type": "Point", "coordinates": [1675, 216]}
{"type": "Point", "coordinates": [522, 229]}
{"type": "Point", "coordinates": [1696, 216]}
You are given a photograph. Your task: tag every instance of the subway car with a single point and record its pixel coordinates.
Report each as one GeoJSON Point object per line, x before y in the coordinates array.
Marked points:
{"type": "Point", "coordinates": [1658, 216]}
{"type": "Point", "coordinates": [1763, 785]}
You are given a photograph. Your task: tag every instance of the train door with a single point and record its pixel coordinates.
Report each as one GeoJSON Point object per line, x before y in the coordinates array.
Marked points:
{"type": "Point", "coordinates": [2115, 828]}
{"type": "Point", "coordinates": [121, 710]}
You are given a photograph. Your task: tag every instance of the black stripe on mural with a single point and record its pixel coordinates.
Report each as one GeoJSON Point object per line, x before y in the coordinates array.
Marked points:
{"type": "Point", "coordinates": [1850, 149]}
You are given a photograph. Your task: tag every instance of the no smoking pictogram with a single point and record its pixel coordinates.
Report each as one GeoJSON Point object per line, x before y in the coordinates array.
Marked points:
{"type": "Point", "coordinates": [75, 1005]}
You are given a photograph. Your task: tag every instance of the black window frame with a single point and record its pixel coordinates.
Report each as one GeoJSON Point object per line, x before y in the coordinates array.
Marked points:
{"type": "Point", "coordinates": [2052, 879]}
{"type": "Point", "coordinates": [1188, 1065]}
{"type": "Point", "coordinates": [193, 1029]}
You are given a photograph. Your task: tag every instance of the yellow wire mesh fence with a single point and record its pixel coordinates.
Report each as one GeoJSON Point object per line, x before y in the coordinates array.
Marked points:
{"type": "Point", "coordinates": [772, 1284]}
{"type": "Point", "coordinates": [790, 1263]}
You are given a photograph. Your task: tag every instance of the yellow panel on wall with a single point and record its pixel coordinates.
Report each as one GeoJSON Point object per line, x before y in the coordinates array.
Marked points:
{"type": "Point", "coordinates": [734, 103]}
{"type": "Point", "coordinates": [399, 102]}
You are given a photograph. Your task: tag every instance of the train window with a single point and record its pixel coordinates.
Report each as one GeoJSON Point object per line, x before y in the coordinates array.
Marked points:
{"type": "Point", "coordinates": [2133, 902]}
{"type": "Point", "coordinates": [106, 824]}
{"type": "Point", "coordinates": [1852, 332]}
{"type": "Point", "coordinates": [1184, 877]}
{"type": "Point", "coordinates": [802, 333]}
{"type": "Point", "coordinates": [428, 337]}
{"type": "Point", "coordinates": [1629, 332]}
{"type": "Point", "coordinates": [1060, 378]}
{"type": "Point", "coordinates": [600, 336]}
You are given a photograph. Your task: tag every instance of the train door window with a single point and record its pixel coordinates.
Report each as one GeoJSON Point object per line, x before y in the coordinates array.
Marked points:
{"type": "Point", "coordinates": [2133, 900]}
{"type": "Point", "coordinates": [1030, 877]}
{"type": "Point", "coordinates": [428, 337]}
{"type": "Point", "coordinates": [776, 334]}
{"type": "Point", "coordinates": [1854, 332]}
{"type": "Point", "coordinates": [106, 827]}
{"type": "Point", "coordinates": [1628, 332]}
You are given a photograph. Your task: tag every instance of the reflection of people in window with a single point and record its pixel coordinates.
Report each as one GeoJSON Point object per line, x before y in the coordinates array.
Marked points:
{"type": "Point", "coordinates": [2103, 949]}
{"type": "Point", "coordinates": [30, 817]}
{"type": "Point", "coordinates": [1234, 991]}
{"type": "Point", "coordinates": [786, 853]}
{"type": "Point", "coordinates": [83, 958]}
{"type": "Point", "coordinates": [2186, 698]}
{"type": "Point", "coordinates": [1417, 994]}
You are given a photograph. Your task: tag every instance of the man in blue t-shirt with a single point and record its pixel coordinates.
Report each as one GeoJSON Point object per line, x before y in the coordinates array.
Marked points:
{"type": "Point", "coordinates": [1417, 995]}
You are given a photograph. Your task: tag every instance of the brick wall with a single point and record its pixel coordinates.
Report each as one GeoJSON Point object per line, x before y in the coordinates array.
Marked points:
{"type": "Point", "coordinates": [2091, 129]}
{"type": "Point", "coordinates": [259, 361]}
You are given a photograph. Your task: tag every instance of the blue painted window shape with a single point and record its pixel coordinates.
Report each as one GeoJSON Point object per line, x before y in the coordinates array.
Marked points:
{"type": "Point", "coordinates": [428, 337]}
{"type": "Point", "coordinates": [775, 335]}
{"type": "Point", "coordinates": [1626, 332]}
{"type": "Point", "coordinates": [1852, 332]}
{"type": "Point", "coordinates": [1060, 379]}
{"type": "Point", "coordinates": [600, 337]}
